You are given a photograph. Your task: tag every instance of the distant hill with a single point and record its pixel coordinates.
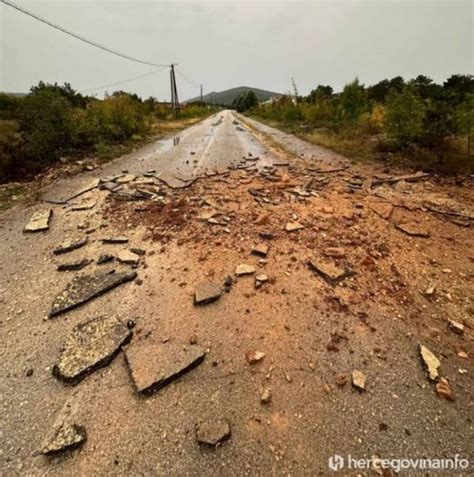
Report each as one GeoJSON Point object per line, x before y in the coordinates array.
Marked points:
{"type": "Point", "coordinates": [226, 97]}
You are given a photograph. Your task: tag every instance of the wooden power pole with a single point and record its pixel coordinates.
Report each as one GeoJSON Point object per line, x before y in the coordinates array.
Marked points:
{"type": "Point", "coordinates": [174, 91]}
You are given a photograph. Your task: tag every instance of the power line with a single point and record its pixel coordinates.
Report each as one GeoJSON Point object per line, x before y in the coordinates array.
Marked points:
{"type": "Point", "coordinates": [125, 81]}
{"type": "Point", "coordinates": [78, 37]}
{"type": "Point", "coordinates": [189, 80]}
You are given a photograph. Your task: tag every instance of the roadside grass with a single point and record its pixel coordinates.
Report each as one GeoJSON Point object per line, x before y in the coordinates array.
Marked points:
{"type": "Point", "coordinates": [359, 146]}
{"type": "Point", "coordinates": [11, 194]}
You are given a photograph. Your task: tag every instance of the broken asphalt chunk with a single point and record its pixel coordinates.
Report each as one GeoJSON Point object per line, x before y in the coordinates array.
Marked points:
{"type": "Point", "coordinates": [253, 357]}
{"type": "Point", "coordinates": [213, 432]}
{"type": "Point", "coordinates": [66, 437]}
{"type": "Point", "coordinates": [154, 364]}
{"type": "Point", "coordinates": [207, 293]}
{"type": "Point", "coordinates": [260, 249]}
{"type": "Point", "coordinates": [431, 362]}
{"type": "Point", "coordinates": [86, 287]}
{"type": "Point", "coordinates": [91, 345]}
{"type": "Point", "coordinates": [331, 273]}
{"type": "Point", "coordinates": [104, 258]}
{"type": "Point", "coordinates": [91, 185]}
{"type": "Point", "coordinates": [69, 246]}
{"type": "Point", "coordinates": [39, 221]}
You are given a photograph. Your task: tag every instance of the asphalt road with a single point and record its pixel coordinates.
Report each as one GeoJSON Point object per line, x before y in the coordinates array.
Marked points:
{"type": "Point", "coordinates": [375, 321]}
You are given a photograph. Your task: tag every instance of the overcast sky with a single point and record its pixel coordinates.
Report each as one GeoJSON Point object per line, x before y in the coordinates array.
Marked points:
{"type": "Point", "coordinates": [227, 44]}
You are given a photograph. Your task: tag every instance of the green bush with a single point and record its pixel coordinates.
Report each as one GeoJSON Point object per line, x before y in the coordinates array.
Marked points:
{"type": "Point", "coordinates": [45, 124]}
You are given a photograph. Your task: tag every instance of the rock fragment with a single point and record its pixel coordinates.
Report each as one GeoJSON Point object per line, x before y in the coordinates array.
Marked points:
{"type": "Point", "coordinates": [358, 380]}
{"type": "Point", "coordinates": [74, 266]}
{"type": "Point", "coordinates": [154, 364]}
{"type": "Point", "coordinates": [382, 209]}
{"type": "Point", "coordinates": [115, 240]}
{"type": "Point", "coordinates": [412, 230]}
{"type": "Point", "coordinates": [66, 437]}
{"type": "Point", "coordinates": [104, 258]}
{"type": "Point", "coordinates": [431, 362]}
{"type": "Point", "coordinates": [213, 432]}
{"type": "Point", "coordinates": [128, 257]}
{"type": "Point", "coordinates": [84, 288]}
{"type": "Point", "coordinates": [293, 226]}
{"type": "Point", "coordinates": [266, 396]}
{"type": "Point", "coordinates": [70, 245]}
{"type": "Point", "coordinates": [39, 221]}
{"type": "Point", "coordinates": [329, 271]}
{"type": "Point", "coordinates": [244, 269]}
{"type": "Point", "coordinates": [84, 206]}
{"type": "Point", "coordinates": [91, 344]}
{"type": "Point", "coordinates": [260, 249]}
{"type": "Point", "coordinates": [253, 357]}
{"type": "Point", "coordinates": [207, 293]}
{"type": "Point", "coordinates": [444, 389]}
{"type": "Point", "coordinates": [341, 380]}
{"type": "Point", "coordinates": [335, 252]}
{"type": "Point", "coordinates": [456, 327]}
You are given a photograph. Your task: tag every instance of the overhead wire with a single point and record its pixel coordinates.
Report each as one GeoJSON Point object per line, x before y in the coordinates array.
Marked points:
{"type": "Point", "coordinates": [79, 37]}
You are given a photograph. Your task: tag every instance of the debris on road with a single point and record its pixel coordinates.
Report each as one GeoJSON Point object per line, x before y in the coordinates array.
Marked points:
{"type": "Point", "coordinates": [341, 380]}
{"type": "Point", "coordinates": [39, 221]}
{"type": "Point", "coordinates": [90, 186]}
{"type": "Point", "coordinates": [105, 258]}
{"type": "Point", "coordinates": [91, 345]}
{"type": "Point", "coordinates": [66, 437]}
{"type": "Point", "coordinates": [70, 245]}
{"type": "Point", "coordinates": [84, 206]}
{"type": "Point", "coordinates": [253, 357]}
{"type": "Point", "coordinates": [84, 288]}
{"type": "Point", "coordinates": [207, 293]}
{"type": "Point", "coordinates": [213, 432]}
{"type": "Point", "coordinates": [154, 364]}
{"type": "Point", "coordinates": [358, 380]}
{"type": "Point", "coordinates": [431, 362]}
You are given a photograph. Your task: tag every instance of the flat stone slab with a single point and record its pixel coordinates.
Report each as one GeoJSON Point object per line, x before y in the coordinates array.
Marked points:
{"type": "Point", "coordinates": [293, 226]}
{"type": "Point", "coordinates": [89, 186]}
{"type": "Point", "coordinates": [115, 240]}
{"type": "Point", "coordinates": [84, 206]}
{"type": "Point", "coordinates": [154, 364]}
{"type": "Point", "coordinates": [331, 273]}
{"type": "Point", "coordinates": [244, 269]}
{"type": "Point", "coordinates": [413, 230]}
{"type": "Point", "coordinates": [84, 288]}
{"type": "Point", "coordinates": [74, 266]}
{"type": "Point", "coordinates": [128, 257]}
{"type": "Point", "coordinates": [66, 437]}
{"type": "Point", "coordinates": [431, 362]}
{"type": "Point", "coordinates": [172, 181]}
{"type": "Point", "coordinates": [92, 344]}
{"type": "Point", "coordinates": [207, 293]}
{"type": "Point", "coordinates": [69, 246]}
{"type": "Point", "coordinates": [213, 432]}
{"type": "Point", "coordinates": [39, 221]}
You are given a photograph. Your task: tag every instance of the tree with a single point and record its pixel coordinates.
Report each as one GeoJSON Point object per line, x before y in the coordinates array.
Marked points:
{"type": "Point", "coordinates": [378, 92]}
{"type": "Point", "coordinates": [405, 113]}
{"type": "Point", "coordinates": [45, 124]}
{"type": "Point", "coordinates": [353, 100]}
{"type": "Point", "coordinates": [464, 117]}
{"type": "Point", "coordinates": [73, 97]}
{"type": "Point", "coordinates": [458, 87]}
{"type": "Point", "coordinates": [321, 92]}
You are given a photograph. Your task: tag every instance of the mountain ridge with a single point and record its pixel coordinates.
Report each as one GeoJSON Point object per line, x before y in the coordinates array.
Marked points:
{"type": "Point", "coordinates": [226, 97]}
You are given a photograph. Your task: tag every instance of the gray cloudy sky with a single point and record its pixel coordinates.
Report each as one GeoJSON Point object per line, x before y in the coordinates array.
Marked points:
{"type": "Point", "coordinates": [226, 44]}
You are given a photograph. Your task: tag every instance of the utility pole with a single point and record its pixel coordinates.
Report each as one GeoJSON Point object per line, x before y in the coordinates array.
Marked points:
{"type": "Point", "coordinates": [174, 91]}
{"type": "Point", "coordinates": [202, 102]}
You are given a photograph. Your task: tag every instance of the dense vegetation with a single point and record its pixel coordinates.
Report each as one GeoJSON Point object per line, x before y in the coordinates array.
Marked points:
{"type": "Point", "coordinates": [245, 101]}
{"type": "Point", "coordinates": [418, 121]}
{"type": "Point", "coordinates": [53, 121]}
